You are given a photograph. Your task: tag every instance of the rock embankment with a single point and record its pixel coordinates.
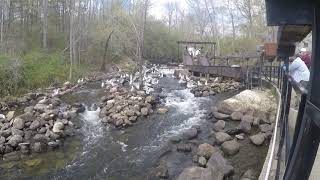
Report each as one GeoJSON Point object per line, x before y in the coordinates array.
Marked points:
{"type": "Point", "coordinates": [212, 87]}
{"type": "Point", "coordinates": [254, 113]}
{"type": "Point", "coordinates": [122, 107]}
{"type": "Point", "coordinates": [41, 126]}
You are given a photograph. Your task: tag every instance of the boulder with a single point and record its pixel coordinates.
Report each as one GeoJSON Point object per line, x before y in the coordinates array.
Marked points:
{"type": "Point", "coordinates": [205, 150]}
{"type": "Point", "coordinates": [162, 171]}
{"type": "Point", "coordinates": [10, 115]}
{"type": "Point", "coordinates": [57, 127]}
{"type": "Point", "coordinates": [162, 110]}
{"type": "Point", "coordinates": [221, 116]}
{"type": "Point", "coordinates": [229, 106]}
{"type": "Point", "coordinates": [17, 132]}
{"type": "Point", "coordinates": [12, 156]}
{"type": "Point", "coordinates": [265, 128]}
{"type": "Point", "coordinates": [2, 140]}
{"type": "Point", "coordinates": [190, 133]}
{"type": "Point", "coordinates": [221, 137]}
{"type": "Point", "coordinates": [247, 118]}
{"type": "Point", "coordinates": [15, 140]}
{"type": "Point", "coordinates": [34, 125]}
{"type": "Point", "coordinates": [202, 161]}
{"type": "Point", "coordinates": [240, 136]}
{"type": "Point", "coordinates": [199, 173]}
{"type": "Point", "coordinates": [40, 107]}
{"type": "Point", "coordinates": [257, 139]}
{"type": "Point", "coordinates": [40, 138]}
{"type": "Point", "coordinates": [38, 147]}
{"type": "Point", "coordinates": [175, 139]}
{"type": "Point", "coordinates": [5, 133]}
{"type": "Point", "coordinates": [236, 116]}
{"type": "Point", "coordinates": [249, 174]}
{"type": "Point", "coordinates": [219, 125]}
{"type": "Point", "coordinates": [245, 127]}
{"type": "Point", "coordinates": [219, 165]}
{"type": "Point", "coordinates": [144, 111]}
{"type": "Point", "coordinates": [18, 123]}
{"type": "Point", "coordinates": [230, 147]}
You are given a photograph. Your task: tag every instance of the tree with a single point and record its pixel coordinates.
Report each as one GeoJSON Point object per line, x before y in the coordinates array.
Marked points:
{"type": "Point", "coordinates": [45, 23]}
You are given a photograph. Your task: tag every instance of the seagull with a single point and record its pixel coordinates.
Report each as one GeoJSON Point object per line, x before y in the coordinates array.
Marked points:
{"type": "Point", "coordinates": [56, 92]}
{"type": "Point", "coordinates": [199, 83]}
{"type": "Point", "coordinates": [187, 78]}
{"type": "Point", "coordinates": [2, 116]}
{"type": "Point", "coordinates": [131, 79]}
{"type": "Point", "coordinates": [206, 83]}
{"type": "Point", "coordinates": [42, 101]}
{"type": "Point", "coordinates": [102, 85]}
{"type": "Point", "coordinates": [216, 80]}
{"type": "Point", "coordinates": [132, 88]}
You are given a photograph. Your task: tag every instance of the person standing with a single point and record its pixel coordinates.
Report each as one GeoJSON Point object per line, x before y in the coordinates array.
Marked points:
{"type": "Point", "coordinates": [305, 56]}
{"type": "Point", "coordinates": [299, 71]}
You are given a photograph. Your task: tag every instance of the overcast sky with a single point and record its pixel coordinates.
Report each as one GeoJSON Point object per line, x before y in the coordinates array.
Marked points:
{"type": "Point", "coordinates": [158, 7]}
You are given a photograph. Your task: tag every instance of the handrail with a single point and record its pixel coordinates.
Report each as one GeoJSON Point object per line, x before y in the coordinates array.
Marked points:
{"type": "Point", "coordinates": [274, 136]}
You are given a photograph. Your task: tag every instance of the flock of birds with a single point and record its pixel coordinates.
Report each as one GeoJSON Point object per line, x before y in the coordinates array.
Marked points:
{"type": "Point", "coordinates": [185, 79]}
{"type": "Point", "coordinates": [150, 77]}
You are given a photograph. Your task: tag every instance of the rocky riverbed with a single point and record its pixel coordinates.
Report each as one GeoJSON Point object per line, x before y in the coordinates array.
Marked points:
{"type": "Point", "coordinates": [109, 129]}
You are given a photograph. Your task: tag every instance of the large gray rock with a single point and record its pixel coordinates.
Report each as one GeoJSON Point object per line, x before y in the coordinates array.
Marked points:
{"type": "Point", "coordinates": [17, 132]}
{"type": "Point", "coordinates": [38, 147]}
{"type": "Point", "coordinates": [34, 125]}
{"type": "Point", "coordinates": [206, 150]}
{"type": "Point", "coordinates": [162, 110]}
{"type": "Point", "coordinates": [236, 116]}
{"type": "Point", "coordinates": [5, 133]}
{"type": "Point", "coordinates": [247, 118]}
{"type": "Point", "coordinates": [144, 111]}
{"type": "Point", "coordinates": [219, 125]}
{"type": "Point", "coordinates": [220, 165]}
{"type": "Point", "coordinates": [199, 173]}
{"type": "Point", "coordinates": [230, 147]}
{"type": "Point", "coordinates": [12, 156]}
{"type": "Point", "coordinates": [18, 123]}
{"type": "Point", "coordinates": [221, 137]}
{"type": "Point", "coordinates": [2, 140]}
{"type": "Point", "coordinates": [15, 140]}
{"type": "Point", "coordinates": [202, 161]}
{"type": "Point", "coordinates": [190, 133]}
{"type": "Point", "coordinates": [265, 128]}
{"type": "Point", "coordinates": [58, 127]}
{"type": "Point", "coordinates": [258, 139]}
{"type": "Point", "coordinates": [10, 115]}
{"type": "Point", "coordinates": [40, 138]}
{"type": "Point", "coordinates": [245, 127]}
{"type": "Point", "coordinates": [221, 116]}
{"type": "Point", "coordinates": [229, 106]}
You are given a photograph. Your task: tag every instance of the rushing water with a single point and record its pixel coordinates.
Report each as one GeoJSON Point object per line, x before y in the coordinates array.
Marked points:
{"type": "Point", "coordinates": [103, 152]}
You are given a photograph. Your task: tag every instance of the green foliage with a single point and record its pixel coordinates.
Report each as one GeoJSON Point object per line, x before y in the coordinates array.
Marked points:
{"type": "Point", "coordinates": [41, 69]}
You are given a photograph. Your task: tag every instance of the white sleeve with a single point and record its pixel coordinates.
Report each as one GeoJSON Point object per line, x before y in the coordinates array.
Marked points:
{"type": "Point", "coordinates": [293, 66]}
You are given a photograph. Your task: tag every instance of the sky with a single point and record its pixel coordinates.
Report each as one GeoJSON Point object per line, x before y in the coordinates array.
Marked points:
{"type": "Point", "coordinates": [158, 7]}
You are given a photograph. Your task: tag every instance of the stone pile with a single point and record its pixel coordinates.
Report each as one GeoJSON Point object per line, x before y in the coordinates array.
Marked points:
{"type": "Point", "coordinates": [213, 88]}
{"type": "Point", "coordinates": [43, 125]}
{"type": "Point", "coordinates": [122, 107]}
{"type": "Point", "coordinates": [249, 108]}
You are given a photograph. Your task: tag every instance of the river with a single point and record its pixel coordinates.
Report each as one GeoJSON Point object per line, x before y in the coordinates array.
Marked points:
{"type": "Point", "coordinates": [103, 152]}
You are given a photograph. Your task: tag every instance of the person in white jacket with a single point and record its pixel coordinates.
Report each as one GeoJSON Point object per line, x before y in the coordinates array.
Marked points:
{"type": "Point", "coordinates": [299, 71]}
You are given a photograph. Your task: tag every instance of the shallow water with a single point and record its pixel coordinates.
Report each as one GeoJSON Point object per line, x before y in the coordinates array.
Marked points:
{"type": "Point", "coordinates": [103, 152]}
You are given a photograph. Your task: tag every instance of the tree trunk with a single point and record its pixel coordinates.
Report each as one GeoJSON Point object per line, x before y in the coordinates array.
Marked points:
{"type": "Point", "coordinates": [71, 39]}
{"type": "Point", "coordinates": [45, 24]}
{"type": "Point", "coordinates": [104, 61]}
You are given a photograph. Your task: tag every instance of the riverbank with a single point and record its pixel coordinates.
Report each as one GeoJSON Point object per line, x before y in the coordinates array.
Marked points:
{"type": "Point", "coordinates": [157, 145]}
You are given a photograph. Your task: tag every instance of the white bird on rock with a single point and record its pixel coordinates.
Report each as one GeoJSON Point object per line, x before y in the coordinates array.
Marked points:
{"type": "Point", "coordinates": [2, 116]}
{"type": "Point", "coordinates": [206, 83]}
{"type": "Point", "coordinates": [216, 79]}
{"type": "Point", "coordinates": [187, 78]}
{"type": "Point", "coordinates": [56, 92]}
{"type": "Point", "coordinates": [103, 85]}
{"type": "Point", "coordinates": [199, 83]}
